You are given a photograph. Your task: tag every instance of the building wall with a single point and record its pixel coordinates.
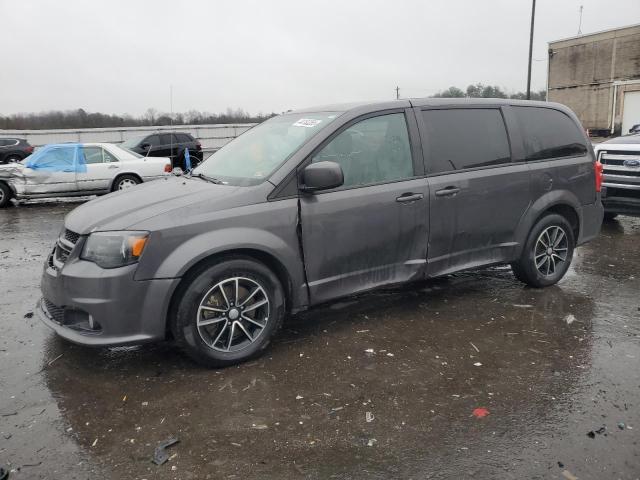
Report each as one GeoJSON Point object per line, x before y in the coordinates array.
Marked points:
{"type": "Point", "coordinates": [583, 72]}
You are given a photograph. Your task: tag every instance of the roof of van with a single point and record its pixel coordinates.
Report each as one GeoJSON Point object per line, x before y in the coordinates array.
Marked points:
{"type": "Point", "coordinates": [422, 102]}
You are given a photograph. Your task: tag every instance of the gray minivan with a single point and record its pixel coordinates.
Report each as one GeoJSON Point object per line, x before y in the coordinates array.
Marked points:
{"type": "Point", "coordinates": [321, 203]}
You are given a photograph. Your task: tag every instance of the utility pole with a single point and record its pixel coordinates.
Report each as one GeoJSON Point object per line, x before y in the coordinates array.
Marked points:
{"type": "Point", "coordinates": [580, 23]}
{"type": "Point", "coordinates": [533, 16]}
{"type": "Point", "coordinates": [397, 93]}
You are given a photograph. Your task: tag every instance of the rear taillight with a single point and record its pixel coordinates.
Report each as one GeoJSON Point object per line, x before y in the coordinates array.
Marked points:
{"type": "Point", "coordinates": [198, 145]}
{"type": "Point", "coordinates": [167, 168]}
{"type": "Point", "coordinates": [599, 175]}
{"type": "Point", "coordinates": [29, 149]}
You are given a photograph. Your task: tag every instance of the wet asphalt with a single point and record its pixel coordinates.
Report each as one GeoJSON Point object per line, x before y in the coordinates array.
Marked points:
{"type": "Point", "coordinates": [383, 385]}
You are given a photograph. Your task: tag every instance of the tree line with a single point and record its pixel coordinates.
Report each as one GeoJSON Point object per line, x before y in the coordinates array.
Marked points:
{"type": "Point", "coordinates": [82, 119]}
{"type": "Point", "coordinates": [480, 90]}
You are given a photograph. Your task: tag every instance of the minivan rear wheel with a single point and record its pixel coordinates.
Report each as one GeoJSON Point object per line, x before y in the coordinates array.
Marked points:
{"type": "Point", "coordinates": [229, 312]}
{"type": "Point", "coordinates": [547, 254]}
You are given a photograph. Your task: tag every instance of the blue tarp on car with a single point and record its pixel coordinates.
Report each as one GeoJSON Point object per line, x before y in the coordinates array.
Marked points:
{"type": "Point", "coordinates": [67, 157]}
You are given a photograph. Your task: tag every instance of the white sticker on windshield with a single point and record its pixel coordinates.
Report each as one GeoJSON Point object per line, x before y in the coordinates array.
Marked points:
{"type": "Point", "coordinates": [307, 122]}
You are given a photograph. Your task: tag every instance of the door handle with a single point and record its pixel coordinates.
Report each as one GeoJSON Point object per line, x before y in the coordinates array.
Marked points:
{"type": "Point", "coordinates": [112, 166]}
{"type": "Point", "coordinates": [409, 197]}
{"type": "Point", "coordinates": [447, 192]}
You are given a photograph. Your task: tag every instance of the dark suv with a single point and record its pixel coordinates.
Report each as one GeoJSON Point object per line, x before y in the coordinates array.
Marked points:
{"type": "Point", "coordinates": [171, 145]}
{"type": "Point", "coordinates": [321, 203]}
{"type": "Point", "coordinates": [14, 150]}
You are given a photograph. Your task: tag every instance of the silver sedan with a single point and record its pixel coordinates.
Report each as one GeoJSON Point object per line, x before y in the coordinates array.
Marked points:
{"type": "Point", "coordinates": [67, 170]}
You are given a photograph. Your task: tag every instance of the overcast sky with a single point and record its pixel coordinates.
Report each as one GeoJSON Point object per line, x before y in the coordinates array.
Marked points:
{"type": "Point", "coordinates": [119, 56]}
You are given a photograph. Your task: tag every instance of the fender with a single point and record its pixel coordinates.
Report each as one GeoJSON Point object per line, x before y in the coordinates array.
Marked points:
{"type": "Point", "coordinates": [231, 240]}
{"type": "Point", "coordinates": [542, 204]}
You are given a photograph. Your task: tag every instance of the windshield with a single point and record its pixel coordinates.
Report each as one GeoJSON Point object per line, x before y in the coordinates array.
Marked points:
{"type": "Point", "coordinates": [254, 155]}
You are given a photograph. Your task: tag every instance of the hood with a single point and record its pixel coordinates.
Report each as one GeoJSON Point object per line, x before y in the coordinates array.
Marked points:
{"type": "Point", "coordinates": [625, 139]}
{"type": "Point", "coordinates": [122, 210]}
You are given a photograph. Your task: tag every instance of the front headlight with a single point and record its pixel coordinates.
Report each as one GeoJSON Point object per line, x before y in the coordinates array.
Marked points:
{"type": "Point", "coordinates": [114, 249]}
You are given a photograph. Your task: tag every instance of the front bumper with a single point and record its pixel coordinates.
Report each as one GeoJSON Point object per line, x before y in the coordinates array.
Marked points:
{"type": "Point", "coordinates": [89, 305]}
{"type": "Point", "coordinates": [621, 200]}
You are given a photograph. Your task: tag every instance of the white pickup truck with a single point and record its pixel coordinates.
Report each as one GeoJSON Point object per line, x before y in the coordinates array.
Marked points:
{"type": "Point", "coordinates": [620, 158]}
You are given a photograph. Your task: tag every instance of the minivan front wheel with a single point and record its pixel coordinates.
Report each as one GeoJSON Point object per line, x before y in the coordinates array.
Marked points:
{"type": "Point", "coordinates": [547, 254]}
{"type": "Point", "coordinates": [229, 312]}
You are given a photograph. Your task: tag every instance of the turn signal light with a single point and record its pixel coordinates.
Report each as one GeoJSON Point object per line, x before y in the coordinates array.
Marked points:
{"type": "Point", "coordinates": [167, 168]}
{"type": "Point", "coordinates": [599, 175]}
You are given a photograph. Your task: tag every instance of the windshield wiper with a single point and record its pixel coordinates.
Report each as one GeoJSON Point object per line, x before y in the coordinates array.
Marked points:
{"type": "Point", "coordinates": [208, 179]}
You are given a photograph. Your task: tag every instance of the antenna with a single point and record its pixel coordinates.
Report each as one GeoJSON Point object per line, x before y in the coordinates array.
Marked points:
{"type": "Point", "coordinates": [580, 23]}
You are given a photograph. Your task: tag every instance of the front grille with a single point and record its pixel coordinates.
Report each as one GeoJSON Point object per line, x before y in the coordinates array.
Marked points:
{"type": "Point", "coordinates": [55, 313]}
{"type": "Point", "coordinates": [64, 246]}
{"type": "Point", "coordinates": [62, 252]}
{"type": "Point", "coordinates": [624, 173]}
{"type": "Point", "coordinates": [621, 172]}
{"type": "Point", "coordinates": [71, 237]}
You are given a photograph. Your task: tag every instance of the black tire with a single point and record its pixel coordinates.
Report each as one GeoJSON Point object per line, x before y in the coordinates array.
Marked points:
{"type": "Point", "coordinates": [608, 216]}
{"type": "Point", "coordinates": [12, 158]}
{"type": "Point", "coordinates": [206, 344]}
{"type": "Point", "coordinates": [120, 182]}
{"type": "Point", "coordinates": [526, 269]}
{"type": "Point", "coordinates": [5, 195]}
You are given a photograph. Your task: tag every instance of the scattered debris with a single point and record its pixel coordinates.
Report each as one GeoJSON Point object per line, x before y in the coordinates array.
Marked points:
{"type": "Point", "coordinates": [299, 397]}
{"type": "Point", "coordinates": [621, 425]}
{"type": "Point", "coordinates": [477, 364]}
{"type": "Point", "coordinates": [522, 306]}
{"type": "Point", "coordinates": [28, 315]}
{"type": "Point", "coordinates": [160, 454]}
{"type": "Point", "coordinates": [370, 351]}
{"type": "Point", "coordinates": [480, 412]}
{"type": "Point", "coordinates": [568, 475]}
{"type": "Point", "coordinates": [371, 442]}
{"type": "Point", "coordinates": [560, 464]}
{"type": "Point", "coordinates": [474, 347]}
{"type": "Point", "coordinates": [389, 354]}
{"type": "Point", "coordinates": [259, 427]}
{"type": "Point", "coordinates": [569, 319]}
{"type": "Point", "coordinates": [57, 358]}
{"type": "Point", "coordinates": [144, 404]}
{"type": "Point", "coordinates": [600, 431]}
{"type": "Point", "coordinates": [95, 442]}
{"type": "Point", "coordinates": [369, 417]}
{"type": "Point", "coordinates": [362, 331]}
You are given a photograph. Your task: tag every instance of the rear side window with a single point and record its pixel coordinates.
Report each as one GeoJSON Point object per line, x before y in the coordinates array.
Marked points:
{"type": "Point", "coordinates": [465, 138]}
{"type": "Point", "coordinates": [548, 133]}
{"type": "Point", "coordinates": [183, 138]}
{"type": "Point", "coordinates": [153, 140]}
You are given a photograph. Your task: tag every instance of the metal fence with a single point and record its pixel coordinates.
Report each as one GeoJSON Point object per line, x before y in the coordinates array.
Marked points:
{"type": "Point", "coordinates": [212, 137]}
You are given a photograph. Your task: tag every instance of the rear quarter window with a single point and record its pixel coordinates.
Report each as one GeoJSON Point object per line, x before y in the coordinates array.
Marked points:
{"type": "Point", "coordinates": [549, 133]}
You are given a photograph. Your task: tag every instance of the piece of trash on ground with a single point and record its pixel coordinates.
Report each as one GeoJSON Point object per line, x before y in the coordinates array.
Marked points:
{"type": "Point", "coordinates": [568, 475]}
{"type": "Point", "coordinates": [477, 364]}
{"type": "Point", "coordinates": [369, 417]}
{"type": "Point", "coordinates": [371, 442]}
{"type": "Point", "coordinates": [370, 351]}
{"type": "Point", "coordinates": [160, 454]}
{"type": "Point", "coordinates": [569, 319]}
{"type": "Point", "coordinates": [480, 412]}
{"type": "Point", "coordinates": [474, 347]}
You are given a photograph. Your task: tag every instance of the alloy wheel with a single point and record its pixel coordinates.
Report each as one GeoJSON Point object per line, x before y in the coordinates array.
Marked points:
{"type": "Point", "coordinates": [551, 250]}
{"type": "Point", "coordinates": [233, 314]}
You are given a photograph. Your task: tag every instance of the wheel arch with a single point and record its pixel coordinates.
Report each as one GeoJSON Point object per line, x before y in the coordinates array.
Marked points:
{"type": "Point", "coordinates": [561, 202]}
{"type": "Point", "coordinates": [261, 256]}
{"type": "Point", "coordinates": [122, 174]}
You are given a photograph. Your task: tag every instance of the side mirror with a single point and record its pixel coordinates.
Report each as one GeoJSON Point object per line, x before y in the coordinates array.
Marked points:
{"type": "Point", "coordinates": [145, 146]}
{"type": "Point", "coordinates": [322, 176]}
